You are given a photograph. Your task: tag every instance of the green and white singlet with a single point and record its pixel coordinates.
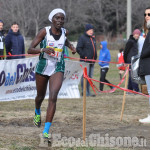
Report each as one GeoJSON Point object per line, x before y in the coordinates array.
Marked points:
{"type": "Point", "coordinates": [50, 64]}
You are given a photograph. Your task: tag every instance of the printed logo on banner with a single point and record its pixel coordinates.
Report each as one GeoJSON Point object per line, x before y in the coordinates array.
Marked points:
{"type": "Point", "coordinates": [23, 74]}
{"type": "Point", "coordinates": [75, 75]}
{"type": "Point", "coordinates": [17, 79]}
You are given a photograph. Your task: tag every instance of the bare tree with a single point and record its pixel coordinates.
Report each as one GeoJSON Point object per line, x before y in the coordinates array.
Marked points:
{"type": "Point", "coordinates": [108, 17]}
{"type": "Point", "coordinates": [16, 11]}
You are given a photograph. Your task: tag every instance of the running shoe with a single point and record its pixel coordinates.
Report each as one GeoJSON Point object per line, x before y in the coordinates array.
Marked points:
{"type": "Point", "coordinates": [145, 120]}
{"type": "Point", "coordinates": [45, 141]}
{"type": "Point", "coordinates": [37, 120]}
{"type": "Point", "coordinates": [45, 135]}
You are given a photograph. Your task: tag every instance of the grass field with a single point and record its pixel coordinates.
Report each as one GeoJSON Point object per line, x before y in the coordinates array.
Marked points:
{"type": "Point", "coordinates": [17, 131]}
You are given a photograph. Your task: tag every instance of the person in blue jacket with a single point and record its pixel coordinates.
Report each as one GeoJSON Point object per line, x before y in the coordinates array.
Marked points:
{"type": "Point", "coordinates": [14, 42]}
{"type": "Point", "coordinates": [104, 59]}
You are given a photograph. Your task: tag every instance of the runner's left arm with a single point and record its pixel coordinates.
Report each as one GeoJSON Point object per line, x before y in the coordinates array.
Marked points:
{"type": "Point", "coordinates": [69, 45]}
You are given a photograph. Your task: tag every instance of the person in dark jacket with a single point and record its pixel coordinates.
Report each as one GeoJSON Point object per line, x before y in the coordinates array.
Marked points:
{"type": "Point", "coordinates": [131, 49]}
{"type": "Point", "coordinates": [14, 42]}
{"type": "Point", "coordinates": [144, 64]}
{"type": "Point", "coordinates": [86, 48]}
{"type": "Point", "coordinates": [2, 39]}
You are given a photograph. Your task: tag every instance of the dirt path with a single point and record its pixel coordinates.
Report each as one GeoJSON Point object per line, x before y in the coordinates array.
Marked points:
{"type": "Point", "coordinates": [103, 118]}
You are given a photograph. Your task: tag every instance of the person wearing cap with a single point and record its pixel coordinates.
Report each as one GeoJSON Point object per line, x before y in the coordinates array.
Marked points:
{"type": "Point", "coordinates": [2, 39]}
{"type": "Point", "coordinates": [51, 66]}
{"type": "Point", "coordinates": [86, 48]}
{"type": "Point", "coordinates": [144, 63]}
{"type": "Point", "coordinates": [131, 49]}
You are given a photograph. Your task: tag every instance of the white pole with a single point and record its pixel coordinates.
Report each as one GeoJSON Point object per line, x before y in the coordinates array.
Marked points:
{"type": "Point", "coordinates": [129, 18]}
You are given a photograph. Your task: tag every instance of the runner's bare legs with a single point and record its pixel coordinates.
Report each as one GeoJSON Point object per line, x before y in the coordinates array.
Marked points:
{"type": "Point", "coordinates": [55, 83]}
{"type": "Point", "coordinates": [41, 85]}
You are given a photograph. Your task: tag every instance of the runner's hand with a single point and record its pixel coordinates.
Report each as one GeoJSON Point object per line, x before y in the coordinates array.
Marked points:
{"type": "Point", "coordinates": [73, 50]}
{"type": "Point", "coordinates": [49, 50]}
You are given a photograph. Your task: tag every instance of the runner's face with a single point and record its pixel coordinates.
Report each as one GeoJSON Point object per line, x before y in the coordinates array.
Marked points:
{"type": "Point", "coordinates": [1, 26]}
{"type": "Point", "coordinates": [58, 20]}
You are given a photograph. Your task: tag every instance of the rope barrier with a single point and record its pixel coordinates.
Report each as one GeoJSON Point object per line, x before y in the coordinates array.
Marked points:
{"type": "Point", "coordinates": [90, 79]}
{"type": "Point", "coordinates": [4, 56]}
{"type": "Point", "coordinates": [72, 58]}
{"type": "Point", "coordinates": [109, 84]}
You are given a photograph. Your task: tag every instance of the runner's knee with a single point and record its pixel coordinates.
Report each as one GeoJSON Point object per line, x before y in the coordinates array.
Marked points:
{"type": "Point", "coordinates": [53, 97]}
{"type": "Point", "coordinates": [40, 97]}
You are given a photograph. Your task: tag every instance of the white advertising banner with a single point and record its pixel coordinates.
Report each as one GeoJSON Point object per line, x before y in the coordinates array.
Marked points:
{"type": "Point", "coordinates": [17, 79]}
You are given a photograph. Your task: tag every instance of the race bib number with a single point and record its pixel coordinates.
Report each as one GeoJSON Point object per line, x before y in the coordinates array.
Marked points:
{"type": "Point", "coordinates": [57, 53]}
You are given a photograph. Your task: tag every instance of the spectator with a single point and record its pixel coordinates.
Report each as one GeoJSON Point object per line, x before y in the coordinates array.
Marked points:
{"type": "Point", "coordinates": [141, 39]}
{"type": "Point", "coordinates": [141, 42]}
{"type": "Point", "coordinates": [131, 49]}
{"type": "Point", "coordinates": [86, 48]}
{"type": "Point", "coordinates": [14, 42]}
{"type": "Point", "coordinates": [144, 64]}
{"type": "Point", "coordinates": [121, 65]}
{"type": "Point", "coordinates": [1, 40]}
{"type": "Point", "coordinates": [104, 59]}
